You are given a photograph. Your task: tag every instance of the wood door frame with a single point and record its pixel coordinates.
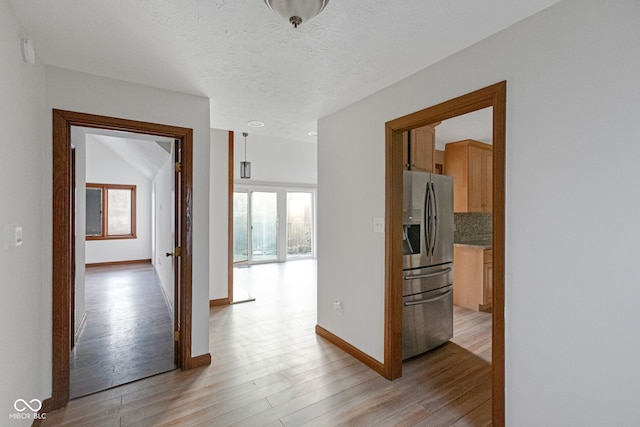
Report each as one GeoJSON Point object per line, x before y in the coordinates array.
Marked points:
{"type": "Point", "coordinates": [231, 147]}
{"type": "Point", "coordinates": [492, 96]}
{"type": "Point", "coordinates": [62, 263]}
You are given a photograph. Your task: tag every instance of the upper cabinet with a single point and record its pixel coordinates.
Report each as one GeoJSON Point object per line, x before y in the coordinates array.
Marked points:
{"type": "Point", "coordinates": [419, 149]}
{"type": "Point", "coordinates": [470, 163]}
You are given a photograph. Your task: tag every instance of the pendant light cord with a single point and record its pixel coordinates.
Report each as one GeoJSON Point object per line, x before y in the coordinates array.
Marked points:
{"type": "Point", "coordinates": [245, 145]}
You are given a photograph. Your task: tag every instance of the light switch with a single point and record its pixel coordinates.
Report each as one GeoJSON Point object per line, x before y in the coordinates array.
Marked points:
{"type": "Point", "coordinates": [17, 236]}
{"type": "Point", "coordinates": [13, 236]}
{"type": "Point", "coordinates": [338, 307]}
{"type": "Point", "coordinates": [378, 225]}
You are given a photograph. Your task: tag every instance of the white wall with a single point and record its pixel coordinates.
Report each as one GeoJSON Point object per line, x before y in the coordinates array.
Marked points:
{"type": "Point", "coordinates": [218, 232]}
{"type": "Point", "coordinates": [104, 166]}
{"type": "Point", "coordinates": [164, 227]}
{"type": "Point", "coordinates": [75, 91]}
{"type": "Point", "coordinates": [573, 149]}
{"type": "Point", "coordinates": [277, 160]}
{"type": "Point", "coordinates": [22, 202]}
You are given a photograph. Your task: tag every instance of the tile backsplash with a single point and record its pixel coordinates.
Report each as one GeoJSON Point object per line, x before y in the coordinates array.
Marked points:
{"type": "Point", "coordinates": [472, 225]}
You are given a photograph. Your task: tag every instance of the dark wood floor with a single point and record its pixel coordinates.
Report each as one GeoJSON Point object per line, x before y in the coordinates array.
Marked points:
{"type": "Point", "coordinates": [270, 369]}
{"type": "Point", "coordinates": [128, 333]}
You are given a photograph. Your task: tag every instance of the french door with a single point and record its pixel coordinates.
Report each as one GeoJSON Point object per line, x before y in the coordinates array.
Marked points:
{"type": "Point", "coordinates": [258, 236]}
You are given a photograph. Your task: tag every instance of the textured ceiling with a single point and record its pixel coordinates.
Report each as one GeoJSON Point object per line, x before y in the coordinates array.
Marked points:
{"type": "Point", "coordinates": [251, 63]}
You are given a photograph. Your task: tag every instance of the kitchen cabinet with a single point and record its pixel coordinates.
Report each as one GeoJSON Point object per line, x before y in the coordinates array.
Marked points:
{"type": "Point", "coordinates": [470, 163]}
{"type": "Point", "coordinates": [419, 149]}
{"type": "Point", "coordinates": [473, 277]}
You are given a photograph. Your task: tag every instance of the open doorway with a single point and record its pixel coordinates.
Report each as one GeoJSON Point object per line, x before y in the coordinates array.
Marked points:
{"type": "Point", "coordinates": [492, 96]}
{"type": "Point", "coordinates": [271, 217]}
{"type": "Point", "coordinates": [64, 237]}
{"type": "Point", "coordinates": [270, 224]}
{"type": "Point", "coordinates": [124, 293]}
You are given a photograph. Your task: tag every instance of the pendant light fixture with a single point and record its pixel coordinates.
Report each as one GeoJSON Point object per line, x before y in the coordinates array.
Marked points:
{"type": "Point", "coordinates": [245, 167]}
{"type": "Point", "coordinates": [297, 11]}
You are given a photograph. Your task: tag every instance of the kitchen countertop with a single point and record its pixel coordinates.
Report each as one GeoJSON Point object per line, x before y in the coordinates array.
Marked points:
{"type": "Point", "coordinates": [481, 243]}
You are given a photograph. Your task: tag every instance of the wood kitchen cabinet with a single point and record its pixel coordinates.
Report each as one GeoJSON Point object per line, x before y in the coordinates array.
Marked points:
{"type": "Point", "coordinates": [419, 149]}
{"type": "Point", "coordinates": [473, 277]}
{"type": "Point", "coordinates": [470, 163]}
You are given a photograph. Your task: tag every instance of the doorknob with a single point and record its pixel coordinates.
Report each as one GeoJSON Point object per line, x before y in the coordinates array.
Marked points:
{"type": "Point", "coordinates": [176, 252]}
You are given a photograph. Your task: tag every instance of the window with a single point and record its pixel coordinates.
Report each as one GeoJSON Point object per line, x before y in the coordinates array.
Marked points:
{"type": "Point", "coordinates": [111, 211]}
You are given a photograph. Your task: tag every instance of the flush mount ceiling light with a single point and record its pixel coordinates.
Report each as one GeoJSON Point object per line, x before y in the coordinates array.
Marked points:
{"type": "Point", "coordinates": [297, 11]}
{"type": "Point", "coordinates": [255, 123]}
{"type": "Point", "coordinates": [245, 167]}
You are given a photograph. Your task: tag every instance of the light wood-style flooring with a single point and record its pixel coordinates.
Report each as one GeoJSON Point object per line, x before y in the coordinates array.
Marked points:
{"type": "Point", "coordinates": [128, 333]}
{"type": "Point", "coordinates": [270, 369]}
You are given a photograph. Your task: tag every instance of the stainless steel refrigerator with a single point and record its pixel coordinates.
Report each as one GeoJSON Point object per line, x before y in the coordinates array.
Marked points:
{"type": "Point", "coordinates": [427, 286]}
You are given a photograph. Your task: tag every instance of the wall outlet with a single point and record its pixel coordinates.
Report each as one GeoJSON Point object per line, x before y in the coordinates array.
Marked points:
{"type": "Point", "coordinates": [337, 307]}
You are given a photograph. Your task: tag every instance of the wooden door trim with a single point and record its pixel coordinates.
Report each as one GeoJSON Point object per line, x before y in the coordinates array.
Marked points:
{"type": "Point", "coordinates": [491, 96]}
{"type": "Point", "coordinates": [230, 219]}
{"type": "Point", "coordinates": [61, 222]}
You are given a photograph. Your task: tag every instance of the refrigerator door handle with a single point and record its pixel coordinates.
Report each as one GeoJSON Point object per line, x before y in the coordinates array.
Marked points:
{"type": "Point", "coordinates": [435, 218]}
{"type": "Point", "coordinates": [423, 276]}
{"type": "Point", "coordinates": [426, 301]}
{"type": "Point", "coordinates": [427, 220]}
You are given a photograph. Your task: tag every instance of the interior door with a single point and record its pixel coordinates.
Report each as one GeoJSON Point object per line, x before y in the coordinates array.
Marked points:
{"type": "Point", "coordinates": [72, 311]}
{"type": "Point", "coordinates": [177, 264]}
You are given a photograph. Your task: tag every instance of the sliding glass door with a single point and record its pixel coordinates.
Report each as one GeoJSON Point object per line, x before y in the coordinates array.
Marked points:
{"type": "Point", "coordinates": [257, 235]}
{"type": "Point", "coordinates": [240, 227]}
{"type": "Point", "coordinates": [299, 224]}
{"type": "Point", "coordinates": [264, 226]}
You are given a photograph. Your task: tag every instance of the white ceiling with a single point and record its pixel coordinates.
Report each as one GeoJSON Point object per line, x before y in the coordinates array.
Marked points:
{"type": "Point", "coordinates": [146, 156]}
{"type": "Point", "coordinates": [146, 153]}
{"type": "Point", "coordinates": [251, 63]}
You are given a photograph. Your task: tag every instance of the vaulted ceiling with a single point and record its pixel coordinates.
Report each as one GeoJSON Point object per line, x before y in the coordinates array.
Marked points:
{"type": "Point", "coordinates": [251, 63]}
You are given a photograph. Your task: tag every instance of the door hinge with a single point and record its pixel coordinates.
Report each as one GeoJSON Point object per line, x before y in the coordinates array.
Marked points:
{"type": "Point", "coordinates": [176, 336]}
{"type": "Point", "coordinates": [177, 251]}
{"type": "Point", "coordinates": [178, 166]}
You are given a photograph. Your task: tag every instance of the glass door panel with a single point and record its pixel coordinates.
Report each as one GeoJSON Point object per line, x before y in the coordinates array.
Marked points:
{"type": "Point", "coordinates": [264, 226]}
{"type": "Point", "coordinates": [240, 227]}
{"type": "Point", "coordinates": [299, 224]}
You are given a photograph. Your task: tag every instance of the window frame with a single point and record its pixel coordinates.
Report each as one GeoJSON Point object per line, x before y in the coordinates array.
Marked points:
{"type": "Point", "coordinates": [105, 211]}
